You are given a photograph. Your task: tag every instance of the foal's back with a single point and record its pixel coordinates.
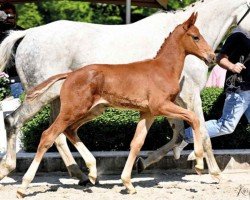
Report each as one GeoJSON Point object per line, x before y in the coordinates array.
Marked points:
{"type": "Point", "coordinates": [125, 85]}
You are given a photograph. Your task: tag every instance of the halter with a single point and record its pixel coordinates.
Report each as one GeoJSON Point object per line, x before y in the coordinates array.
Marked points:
{"type": "Point", "coordinates": [248, 10]}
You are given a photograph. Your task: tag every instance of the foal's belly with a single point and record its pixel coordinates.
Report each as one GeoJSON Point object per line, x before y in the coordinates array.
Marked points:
{"type": "Point", "coordinates": [126, 103]}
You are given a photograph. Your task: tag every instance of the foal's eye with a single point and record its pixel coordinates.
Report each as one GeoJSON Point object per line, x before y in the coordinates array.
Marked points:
{"type": "Point", "coordinates": [195, 38]}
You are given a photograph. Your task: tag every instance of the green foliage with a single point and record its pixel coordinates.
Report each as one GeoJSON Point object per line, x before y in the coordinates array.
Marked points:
{"type": "Point", "coordinates": [212, 98]}
{"type": "Point", "coordinates": [114, 129]}
{"type": "Point", "coordinates": [173, 4]}
{"type": "Point", "coordinates": [106, 14]}
{"type": "Point", "coordinates": [31, 14]}
{"type": "Point", "coordinates": [35, 14]}
{"type": "Point", "coordinates": [4, 86]}
{"type": "Point", "coordinates": [28, 15]}
{"type": "Point", "coordinates": [57, 10]}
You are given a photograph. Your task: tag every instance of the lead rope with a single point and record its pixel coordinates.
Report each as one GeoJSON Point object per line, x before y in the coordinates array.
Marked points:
{"type": "Point", "coordinates": [233, 79]}
{"type": "Point", "coordinates": [248, 10]}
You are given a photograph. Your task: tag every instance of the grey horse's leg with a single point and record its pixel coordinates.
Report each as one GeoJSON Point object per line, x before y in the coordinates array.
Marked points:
{"type": "Point", "coordinates": [63, 149]}
{"type": "Point", "coordinates": [13, 124]}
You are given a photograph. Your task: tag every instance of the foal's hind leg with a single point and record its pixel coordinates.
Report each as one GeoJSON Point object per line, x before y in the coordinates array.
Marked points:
{"type": "Point", "coordinates": [68, 159]}
{"type": "Point", "coordinates": [47, 139]}
{"type": "Point", "coordinates": [71, 133]}
{"type": "Point", "coordinates": [85, 153]}
{"type": "Point", "coordinates": [63, 149]}
{"type": "Point", "coordinates": [15, 121]}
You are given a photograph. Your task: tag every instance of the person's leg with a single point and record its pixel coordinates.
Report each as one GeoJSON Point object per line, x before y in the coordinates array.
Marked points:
{"type": "Point", "coordinates": [247, 113]}
{"type": "Point", "coordinates": [236, 104]}
{"type": "Point", "coordinates": [247, 99]}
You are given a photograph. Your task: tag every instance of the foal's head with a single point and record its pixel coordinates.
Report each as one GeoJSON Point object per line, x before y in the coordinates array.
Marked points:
{"type": "Point", "coordinates": [193, 42]}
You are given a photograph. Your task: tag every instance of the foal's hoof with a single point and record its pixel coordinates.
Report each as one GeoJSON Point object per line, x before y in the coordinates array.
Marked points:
{"type": "Point", "coordinates": [132, 191]}
{"type": "Point", "coordinates": [20, 194]}
{"type": "Point", "coordinates": [139, 165]}
{"type": "Point", "coordinates": [216, 177]}
{"type": "Point", "coordinates": [198, 169]}
{"type": "Point", "coordinates": [92, 179]}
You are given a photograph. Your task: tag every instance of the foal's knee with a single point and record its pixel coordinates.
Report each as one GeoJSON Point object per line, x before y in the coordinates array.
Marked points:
{"type": "Point", "coordinates": [44, 147]}
{"type": "Point", "coordinates": [45, 144]}
{"type": "Point", "coordinates": [136, 145]}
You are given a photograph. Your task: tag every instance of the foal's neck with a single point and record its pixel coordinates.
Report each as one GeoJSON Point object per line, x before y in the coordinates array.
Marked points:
{"type": "Point", "coordinates": [172, 55]}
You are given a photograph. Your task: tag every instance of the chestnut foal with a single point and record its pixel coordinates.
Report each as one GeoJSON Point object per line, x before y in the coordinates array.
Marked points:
{"type": "Point", "coordinates": [148, 86]}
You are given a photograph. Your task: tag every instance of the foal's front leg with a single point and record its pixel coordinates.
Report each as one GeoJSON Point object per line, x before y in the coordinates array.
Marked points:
{"type": "Point", "coordinates": [173, 111]}
{"type": "Point", "coordinates": [195, 105]}
{"type": "Point", "coordinates": [68, 159]}
{"type": "Point", "coordinates": [209, 155]}
{"type": "Point", "coordinates": [155, 156]}
{"type": "Point", "coordinates": [135, 147]}
{"type": "Point", "coordinates": [89, 159]}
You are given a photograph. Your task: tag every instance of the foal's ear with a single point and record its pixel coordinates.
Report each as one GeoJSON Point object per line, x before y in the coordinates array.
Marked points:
{"type": "Point", "coordinates": [191, 21]}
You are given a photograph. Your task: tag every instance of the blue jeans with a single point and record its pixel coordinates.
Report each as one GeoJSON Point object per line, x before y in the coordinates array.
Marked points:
{"type": "Point", "coordinates": [236, 104]}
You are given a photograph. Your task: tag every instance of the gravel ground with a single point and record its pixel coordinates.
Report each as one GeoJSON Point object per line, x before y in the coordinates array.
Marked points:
{"type": "Point", "coordinates": [161, 185]}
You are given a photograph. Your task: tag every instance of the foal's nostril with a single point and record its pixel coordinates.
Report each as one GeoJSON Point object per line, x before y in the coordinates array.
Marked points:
{"type": "Point", "coordinates": [211, 58]}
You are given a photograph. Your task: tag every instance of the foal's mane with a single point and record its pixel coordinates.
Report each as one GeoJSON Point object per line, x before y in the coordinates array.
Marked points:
{"type": "Point", "coordinates": [195, 4]}
{"type": "Point", "coordinates": [165, 41]}
{"type": "Point", "coordinates": [163, 45]}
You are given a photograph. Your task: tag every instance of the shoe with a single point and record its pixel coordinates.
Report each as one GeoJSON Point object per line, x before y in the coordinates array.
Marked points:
{"type": "Point", "coordinates": [177, 150]}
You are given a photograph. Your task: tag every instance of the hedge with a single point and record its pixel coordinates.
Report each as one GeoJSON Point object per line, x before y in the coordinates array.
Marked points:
{"type": "Point", "coordinates": [114, 129]}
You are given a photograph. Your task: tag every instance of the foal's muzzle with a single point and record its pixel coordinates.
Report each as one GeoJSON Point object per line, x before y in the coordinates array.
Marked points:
{"type": "Point", "coordinates": [210, 58]}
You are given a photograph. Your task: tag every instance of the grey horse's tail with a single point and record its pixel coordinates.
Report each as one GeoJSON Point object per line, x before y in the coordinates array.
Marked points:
{"type": "Point", "coordinates": [7, 46]}
{"type": "Point", "coordinates": [42, 87]}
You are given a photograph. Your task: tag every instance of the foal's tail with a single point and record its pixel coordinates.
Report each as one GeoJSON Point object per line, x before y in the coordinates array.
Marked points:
{"type": "Point", "coordinates": [7, 46]}
{"type": "Point", "coordinates": [41, 88]}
